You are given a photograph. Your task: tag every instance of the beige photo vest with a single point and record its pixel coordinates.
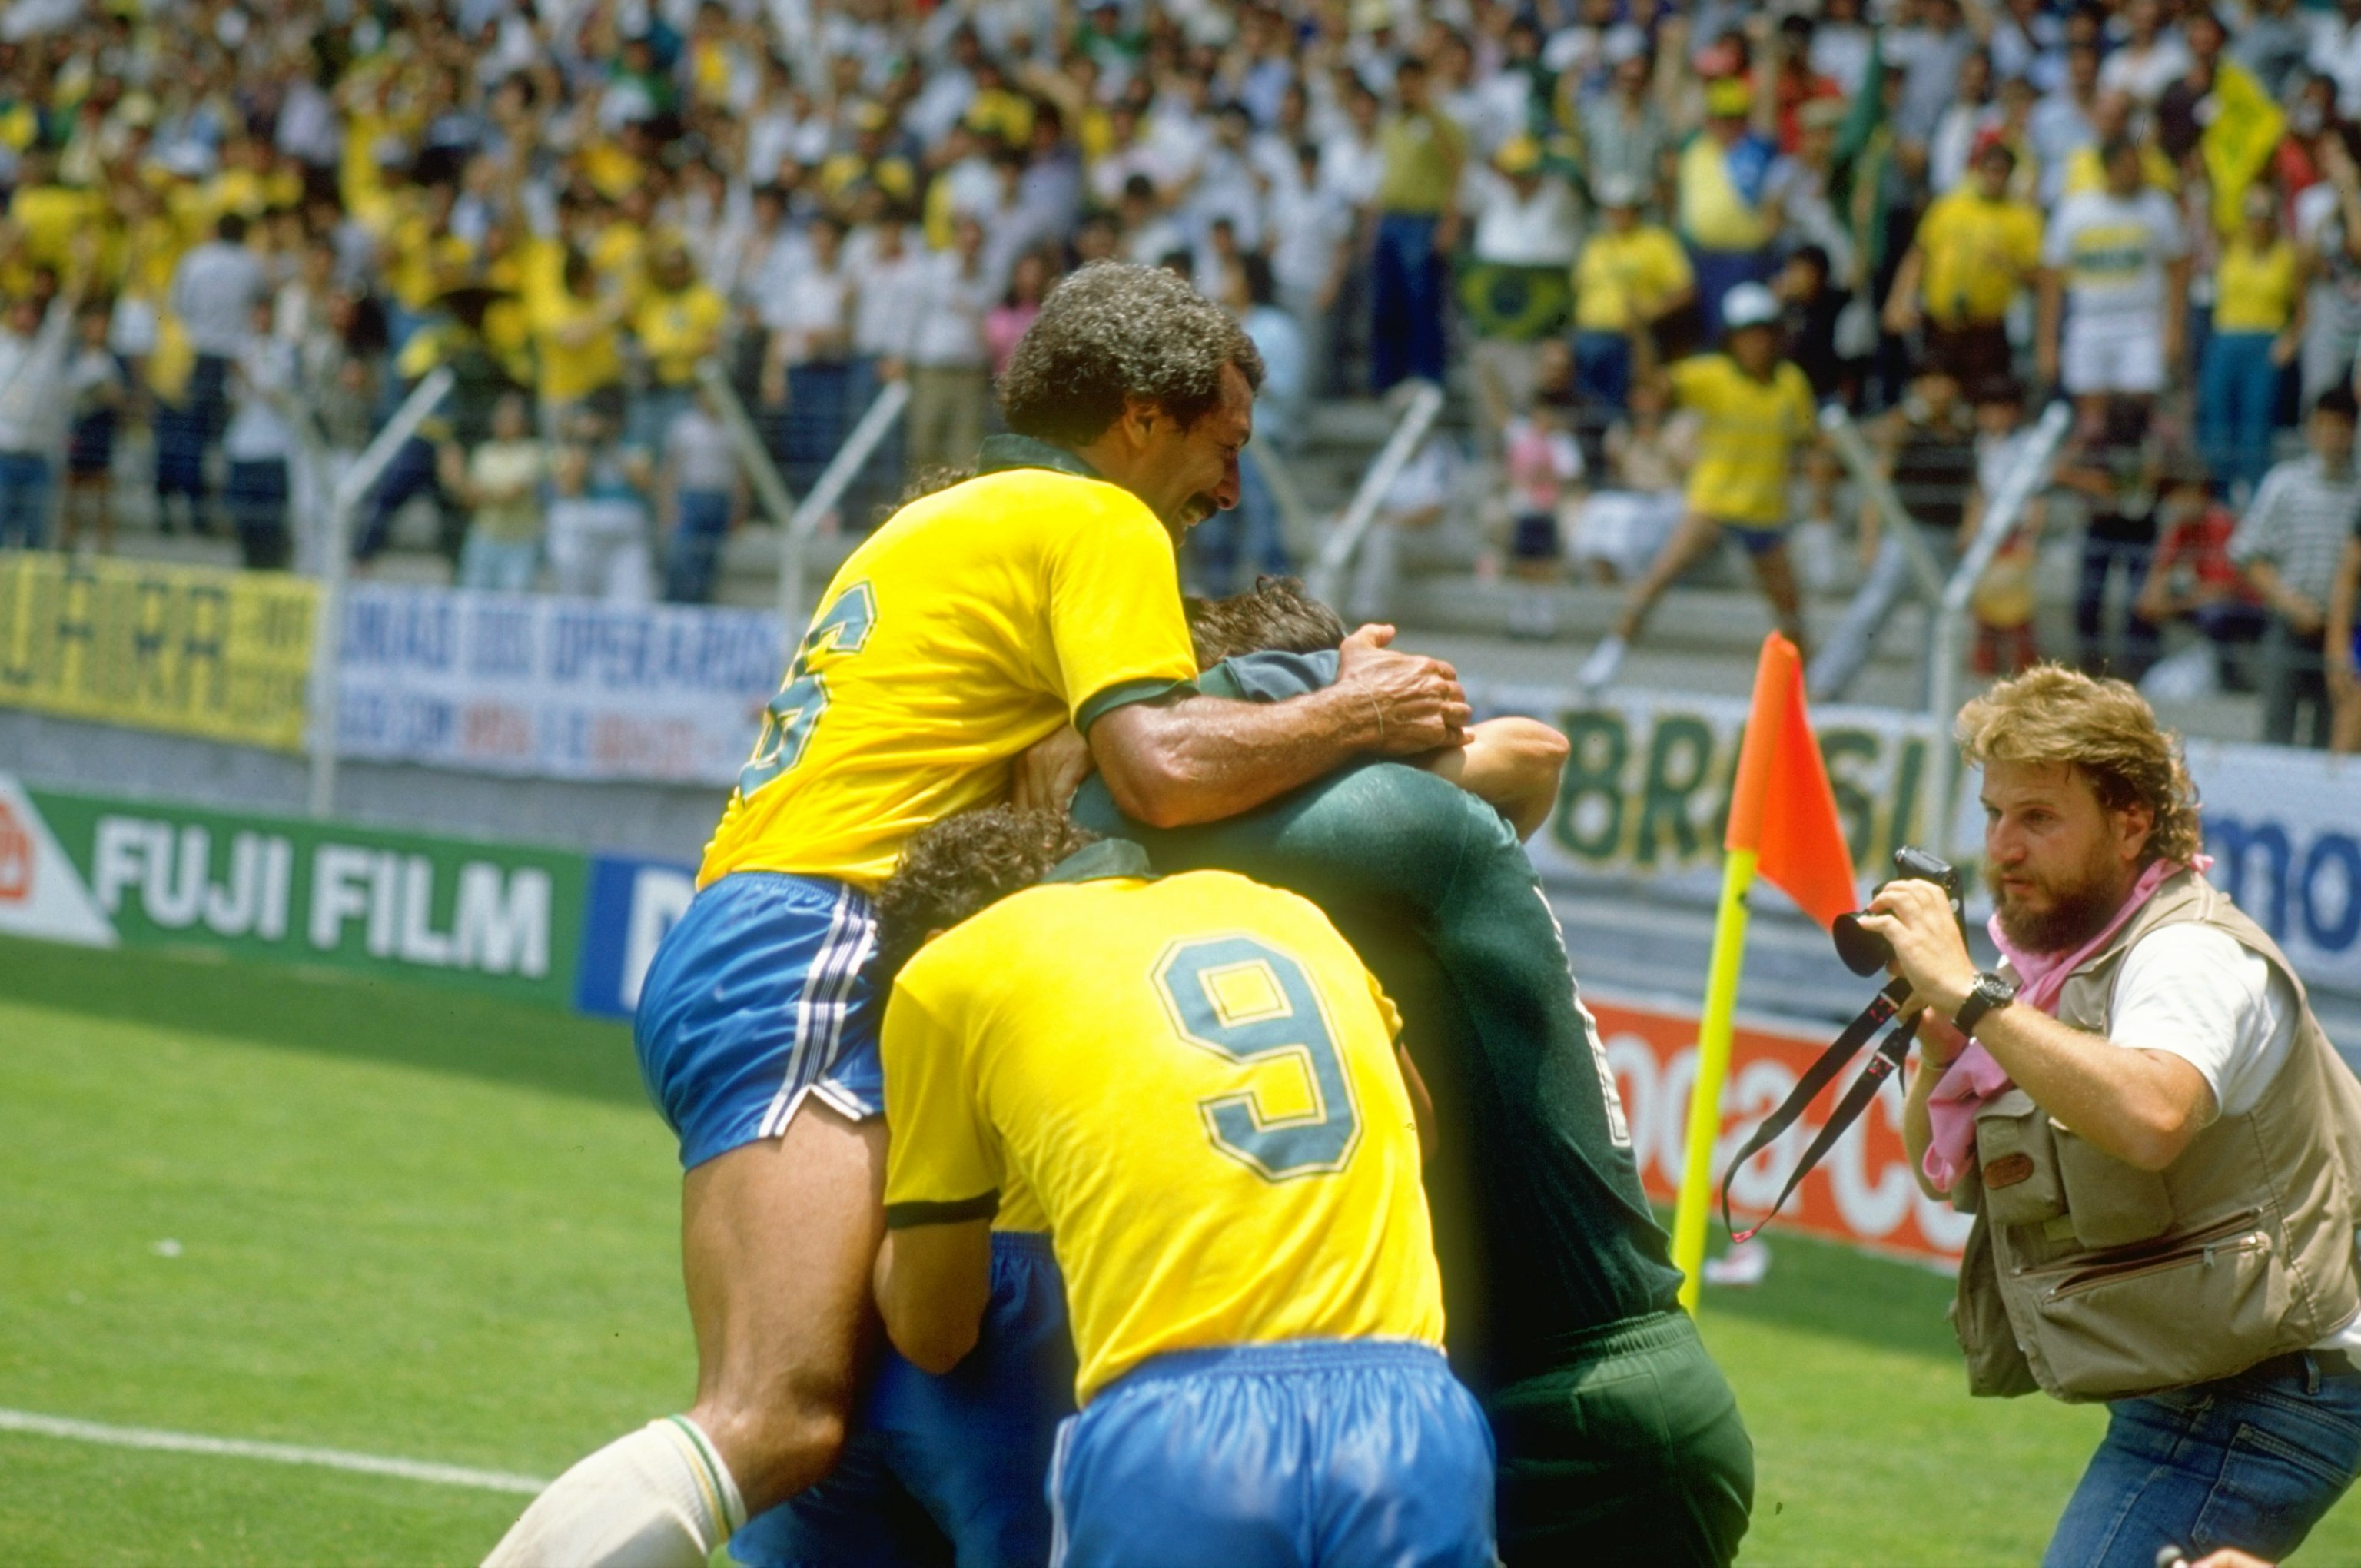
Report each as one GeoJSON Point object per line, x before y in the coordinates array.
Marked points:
{"type": "Point", "coordinates": [2093, 1280]}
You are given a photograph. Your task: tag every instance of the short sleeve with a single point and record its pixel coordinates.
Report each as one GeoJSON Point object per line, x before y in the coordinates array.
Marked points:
{"type": "Point", "coordinates": [2027, 250]}
{"type": "Point", "coordinates": [2194, 993]}
{"type": "Point", "coordinates": [1116, 629]}
{"type": "Point", "coordinates": [2172, 235]}
{"type": "Point", "coordinates": [1693, 382]}
{"type": "Point", "coordinates": [942, 1164]}
{"type": "Point", "coordinates": [1679, 273]}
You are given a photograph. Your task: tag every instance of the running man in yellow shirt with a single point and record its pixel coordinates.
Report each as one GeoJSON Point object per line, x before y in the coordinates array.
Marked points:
{"type": "Point", "coordinates": [1191, 1082]}
{"type": "Point", "coordinates": [1757, 411]}
{"type": "Point", "coordinates": [977, 621]}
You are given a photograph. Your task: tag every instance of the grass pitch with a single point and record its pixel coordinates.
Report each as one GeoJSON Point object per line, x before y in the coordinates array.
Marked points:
{"type": "Point", "coordinates": [422, 1225]}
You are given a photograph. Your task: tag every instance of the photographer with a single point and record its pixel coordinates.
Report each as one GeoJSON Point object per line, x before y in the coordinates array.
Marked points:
{"type": "Point", "coordinates": [2157, 1141]}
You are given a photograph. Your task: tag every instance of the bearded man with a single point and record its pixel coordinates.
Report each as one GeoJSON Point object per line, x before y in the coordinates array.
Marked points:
{"type": "Point", "coordinates": [2161, 1148]}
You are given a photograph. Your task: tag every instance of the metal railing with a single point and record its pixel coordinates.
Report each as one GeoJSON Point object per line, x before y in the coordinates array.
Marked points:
{"type": "Point", "coordinates": [336, 570]}
{"type": "Point", "coordinates": [746, 440]}
{"type": "Point", "coordinates": [1903, 559]}
{"type": "Point", "coordinates": [2006, 504]}
{"type": "Point", "coordinates": [1345, 536]}
{"type": "Point", "coordinates": [826, 491]}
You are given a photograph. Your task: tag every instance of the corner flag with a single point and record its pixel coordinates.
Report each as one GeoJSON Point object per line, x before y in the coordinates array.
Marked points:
{"type": "Point", "coordinates": [1782, 825]}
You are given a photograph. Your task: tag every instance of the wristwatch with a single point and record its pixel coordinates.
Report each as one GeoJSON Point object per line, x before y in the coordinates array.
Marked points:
{"type": "Point", "coordinates": [1989, 992]}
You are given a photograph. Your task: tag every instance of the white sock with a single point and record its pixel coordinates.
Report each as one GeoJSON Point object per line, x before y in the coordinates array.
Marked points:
{"type": "Point", "coordinates": [658, 1498]}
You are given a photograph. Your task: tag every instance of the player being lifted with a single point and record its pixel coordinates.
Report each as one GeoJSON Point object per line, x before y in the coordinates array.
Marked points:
{"type": "Point", "coordinates": [1191, 1081]}
{"type": "Point", "coordinates": [1618, 1439]}
{"type": "Point", "coordinates": [973, 624]}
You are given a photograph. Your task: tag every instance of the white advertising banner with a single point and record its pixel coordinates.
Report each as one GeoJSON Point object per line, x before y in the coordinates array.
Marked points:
{"type": "Point", "coordinates": [552, 688]}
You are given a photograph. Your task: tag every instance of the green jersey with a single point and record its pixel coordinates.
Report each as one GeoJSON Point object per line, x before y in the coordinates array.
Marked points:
{"type": "Point", "coordinates": [1542, 1227]}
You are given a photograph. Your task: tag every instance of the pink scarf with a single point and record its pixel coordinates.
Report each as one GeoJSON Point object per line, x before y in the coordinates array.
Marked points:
{"type": "Point", "coordinates": [1974, 1079]}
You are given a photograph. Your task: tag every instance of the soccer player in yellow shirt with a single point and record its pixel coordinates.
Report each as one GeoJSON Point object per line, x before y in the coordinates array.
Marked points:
{"type": "Point", "coordinates": [1190, 1083]}
{"type": "Point", "coordinates": [1044, 593]}
{"type": "Point", "coordinates": [1757, 411]}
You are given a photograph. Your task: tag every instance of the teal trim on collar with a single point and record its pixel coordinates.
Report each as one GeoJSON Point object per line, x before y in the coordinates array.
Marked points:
{"type": "Point", "coordinates": [1001, 453]}
{"type": "Point", "coordinates": [1123, 694]}
{"type": "Point", "coordinates": [1105, 859]}
{"type": "Point", "coordinates": [1220, 681]}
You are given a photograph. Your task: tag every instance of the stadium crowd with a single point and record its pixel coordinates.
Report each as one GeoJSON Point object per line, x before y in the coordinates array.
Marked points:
{"type": "Point", "coordinates": [244, 229]}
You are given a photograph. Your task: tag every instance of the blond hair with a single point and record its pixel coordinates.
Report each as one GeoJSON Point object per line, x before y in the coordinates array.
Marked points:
{"type": "Point", "coordinates": [2051, 715]}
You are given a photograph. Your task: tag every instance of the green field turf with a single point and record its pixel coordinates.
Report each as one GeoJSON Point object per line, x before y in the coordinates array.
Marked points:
{"type": "Point", "coordinates": [417, 1224]}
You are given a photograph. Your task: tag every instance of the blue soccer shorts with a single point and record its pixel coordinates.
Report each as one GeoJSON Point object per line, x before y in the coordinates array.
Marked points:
{"type": "Point", "coordinates": [945, 1470]}
{"type": "Point", "coordinates": [1318, 1453]}
{"type": "Point", "coordinates": [759, 996]}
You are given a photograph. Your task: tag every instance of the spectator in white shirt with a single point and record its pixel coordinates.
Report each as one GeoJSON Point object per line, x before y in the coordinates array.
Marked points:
{"type": "Point", "coordinates": [700, 478]}
{"type": "Point", "coordinates": [259, 443]}
{"type": "Point", "coordinates": [2151, 59]}
{"type": "Point", "coordinates": [1310, 247]}
{"type": "Point", "coordinates": [34, 406]}
{"type": "Point", "coordinates": [949, 381]}
{"type": "Point", "coordinates": [213, 292]}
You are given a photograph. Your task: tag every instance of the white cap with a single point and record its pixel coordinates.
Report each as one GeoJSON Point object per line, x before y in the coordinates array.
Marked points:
{"type": "Point", "coordinates": [1749, 304]}
{"type": "Point", "coordinates": [1617, 191]}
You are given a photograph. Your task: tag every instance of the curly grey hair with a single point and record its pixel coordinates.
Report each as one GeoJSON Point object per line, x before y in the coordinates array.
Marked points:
{"type": "Point", "coordinates": [1114, 330]}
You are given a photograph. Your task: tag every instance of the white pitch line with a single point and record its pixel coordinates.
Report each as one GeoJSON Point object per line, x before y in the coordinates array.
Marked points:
{"type": "Point", "coordinates": [276, 1452]}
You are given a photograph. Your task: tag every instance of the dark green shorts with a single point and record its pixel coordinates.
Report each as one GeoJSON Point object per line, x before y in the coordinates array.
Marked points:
{"type": "Point", "coordinates": [1631, 1451]}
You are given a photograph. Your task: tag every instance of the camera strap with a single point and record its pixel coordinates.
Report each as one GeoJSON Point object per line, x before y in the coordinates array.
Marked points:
{"type": "Point", "coordinates": [1818, 1076]}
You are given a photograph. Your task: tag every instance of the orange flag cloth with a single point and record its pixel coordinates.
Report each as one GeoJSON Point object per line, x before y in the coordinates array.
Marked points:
{"type": "Point", "coordinates": [1781, 807]}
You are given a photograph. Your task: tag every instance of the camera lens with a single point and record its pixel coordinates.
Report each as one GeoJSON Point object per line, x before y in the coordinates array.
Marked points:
{"type": "Point", "coordinates": [1863, 950]}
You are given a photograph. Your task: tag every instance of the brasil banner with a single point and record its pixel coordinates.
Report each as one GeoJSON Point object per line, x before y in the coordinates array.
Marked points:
{"type": "Point", "coordinates": [195, 650]}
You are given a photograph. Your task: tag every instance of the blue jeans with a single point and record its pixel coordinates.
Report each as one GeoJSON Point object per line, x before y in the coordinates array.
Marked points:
{"type": "Point", "coordinates": [695, 549]}
{"type": "Point", "coordinates": [2237, 404]}
{"type": "Point", "coordinates": [1602, 368]}
{"type": "Point", "coordinates": [2102, 558]}
{"type": "Point", "coordinates": [2252, 1461]}
{"type": "Point", "coordinates": [1406, 338]}
{"type": "Point", "coordinates": [24, 500]}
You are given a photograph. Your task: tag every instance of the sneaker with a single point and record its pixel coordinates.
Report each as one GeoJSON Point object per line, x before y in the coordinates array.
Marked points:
{"type": "Point", "coordinates": [1604, 662]}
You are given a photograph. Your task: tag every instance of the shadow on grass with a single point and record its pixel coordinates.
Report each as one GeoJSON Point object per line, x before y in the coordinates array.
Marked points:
{"type": "Point", "coordinates": [1819, 1287]}
{"type": "Point", "coordinates": [330, 1015]}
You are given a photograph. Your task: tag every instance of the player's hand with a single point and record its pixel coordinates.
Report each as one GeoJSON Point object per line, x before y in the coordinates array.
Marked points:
{"type": "Point", "coordinates": [1049, 771]}
{"type": "Point", "coordinates": [1927, 949]}
{"type": "Point", "coordinates": [1415, 703]}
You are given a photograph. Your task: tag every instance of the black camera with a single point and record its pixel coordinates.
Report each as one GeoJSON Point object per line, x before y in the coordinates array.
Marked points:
{"type": "Point", "coordinates": [1864, 951]}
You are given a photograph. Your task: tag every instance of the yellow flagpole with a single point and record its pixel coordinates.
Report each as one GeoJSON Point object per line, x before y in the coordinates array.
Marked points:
{"type": "Point", "coordinates": [1694, 1208]}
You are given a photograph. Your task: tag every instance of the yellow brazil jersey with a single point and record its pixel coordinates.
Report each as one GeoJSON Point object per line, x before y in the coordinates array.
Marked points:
{"type": "Point", "coordinates": [1749, 428]}
{"type": "Point", "coordinates": [678, 329]}
{"type": "Point", "coordinates": [1194, 1079]}
{"type": "Point", "coordinates": [2256, 290]}
{"type": "Point", "coordinates": [578, 345]}
{"type": "Point", "coordinates": [973, 624]}
{"type": "Point", "coordinates": [1978, 253]}
{"type": "Point", "coordinates": [1619, 272]}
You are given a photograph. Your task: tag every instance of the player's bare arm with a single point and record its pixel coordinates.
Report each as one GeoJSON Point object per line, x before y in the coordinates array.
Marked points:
{"type": "Point", "coordinates": [1200, 759]}
{"type": "Point", "coordinates": [1511, 765]}
{"type": "Point", "coordinates": [933, 1282]}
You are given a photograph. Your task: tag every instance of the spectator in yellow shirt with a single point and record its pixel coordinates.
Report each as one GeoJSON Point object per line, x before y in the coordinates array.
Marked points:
{"type": "Point", "coordinates": [1421, 149]}
{"type": "Point", "coordinates": [2258, 322]}
{"type": "Point", "coordinates": [576, 339]}
{"type": "Point", "coordinates": [1630, 271]}
{"type": "Point", "coordinates": [1756, 408]}
{"type": "Point", "coordinates": [1977, 249]}
{"type": "Point", "coordinates": [678, 324]}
